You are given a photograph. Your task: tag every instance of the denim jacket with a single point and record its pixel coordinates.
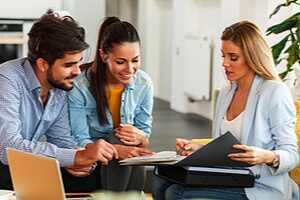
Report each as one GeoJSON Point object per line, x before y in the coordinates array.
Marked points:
{"type": "Point", "coordinates": [136, 108]}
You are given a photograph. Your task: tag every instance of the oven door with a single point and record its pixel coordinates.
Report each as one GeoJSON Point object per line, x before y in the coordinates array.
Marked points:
{"type": "Point", "coordinates": [9, 52]}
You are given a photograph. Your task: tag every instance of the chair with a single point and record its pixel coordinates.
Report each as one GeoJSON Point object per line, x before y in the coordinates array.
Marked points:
{"type": "Point", "coordinates": [295, 174]}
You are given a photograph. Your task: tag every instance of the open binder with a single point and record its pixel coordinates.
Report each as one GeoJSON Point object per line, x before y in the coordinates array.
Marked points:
{"type": "Point", "coordinates": [208, 166]}
{"type": "Point", "coordinates": [212, 154]}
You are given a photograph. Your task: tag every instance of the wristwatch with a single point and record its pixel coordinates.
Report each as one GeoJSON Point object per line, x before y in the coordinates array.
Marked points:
{"type": "Point", "coordinates": [93, 168]}
{"type": "Point", "coordinates": [275, 162]}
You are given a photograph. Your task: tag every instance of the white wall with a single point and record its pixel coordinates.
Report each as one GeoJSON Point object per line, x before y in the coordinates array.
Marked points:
{"type": "Point", "coordinates": [198, 17]}
{"type": "Point", "coordinates": [162, 25]}
{"type": "Point", "coordinates": [155, 28]}
{"type": "Point", "coordinates": [89, 14]}
{"type": "Point", "coordinates": [212, 17]}
{"type": "Point", "coordinates": [28, 8]}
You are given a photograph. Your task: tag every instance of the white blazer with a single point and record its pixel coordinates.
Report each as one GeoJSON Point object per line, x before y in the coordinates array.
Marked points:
{"type": "Point", "coordinates": [269, 123]}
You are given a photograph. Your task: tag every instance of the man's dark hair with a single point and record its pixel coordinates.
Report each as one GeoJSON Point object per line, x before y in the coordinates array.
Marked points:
{"type": "Point", "coordinates": [52, 36]}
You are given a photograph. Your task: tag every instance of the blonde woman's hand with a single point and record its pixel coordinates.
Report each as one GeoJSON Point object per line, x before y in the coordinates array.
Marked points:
{"type": "Point", "coordinates": [252, 155]}
{"type": "Point", "coordinates": [189, 147]}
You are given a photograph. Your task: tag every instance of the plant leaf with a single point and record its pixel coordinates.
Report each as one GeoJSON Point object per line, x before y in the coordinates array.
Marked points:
{"type": "Point", "coordinates": [285, 25]}
{"type": "Point", "coordinates": [278, 61]}
{"type": "Point", "coordinates": [277, 48]}
{"type": "Point", "coordinates": [286, 4]}
{"type": "Point", "coordinates": [292, 51]}
{"type": "Point", "coordinates": [283, 75]}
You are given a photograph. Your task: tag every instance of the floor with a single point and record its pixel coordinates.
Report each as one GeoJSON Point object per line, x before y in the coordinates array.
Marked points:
{"type": "Point", "coordinates": [168, 125]}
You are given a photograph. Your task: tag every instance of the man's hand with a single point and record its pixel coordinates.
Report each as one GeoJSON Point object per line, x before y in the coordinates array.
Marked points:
{"type": "Point", "coordinates": [79, 171]}
{"type": "Point", "coordinates": [101, 151]}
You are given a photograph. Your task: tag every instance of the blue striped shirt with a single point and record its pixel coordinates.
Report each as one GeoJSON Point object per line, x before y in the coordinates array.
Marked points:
{"type": "Point", "coordinates": [24, 120]}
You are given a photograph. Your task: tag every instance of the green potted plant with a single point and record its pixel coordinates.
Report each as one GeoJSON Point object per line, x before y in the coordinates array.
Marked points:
{"type": "Point", "coordinates": [287, 48]}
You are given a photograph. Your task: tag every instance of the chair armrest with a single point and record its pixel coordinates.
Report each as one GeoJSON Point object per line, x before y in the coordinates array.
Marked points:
{"type": "Point", "coordinates": [202, 141]}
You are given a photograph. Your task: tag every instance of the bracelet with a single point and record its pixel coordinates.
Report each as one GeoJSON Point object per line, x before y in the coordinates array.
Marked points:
{"type": "Point", "coordinates": [276, 161]}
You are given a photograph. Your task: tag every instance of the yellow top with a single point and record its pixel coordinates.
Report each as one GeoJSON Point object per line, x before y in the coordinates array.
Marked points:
{"type": "Point", "coordinates": [114, 101]}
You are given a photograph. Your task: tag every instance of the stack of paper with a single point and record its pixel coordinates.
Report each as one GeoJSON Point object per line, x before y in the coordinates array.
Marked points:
{"type": "Point", "coordinates": [7, 195]}
{"type": "Point", "coordinates": [159, 157]}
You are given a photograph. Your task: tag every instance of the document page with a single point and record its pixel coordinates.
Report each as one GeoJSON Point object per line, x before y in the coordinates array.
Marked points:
{"type": "Point", "coordinates": [159, 157]}
{"type": "Point", "coordinates": [7, 195]}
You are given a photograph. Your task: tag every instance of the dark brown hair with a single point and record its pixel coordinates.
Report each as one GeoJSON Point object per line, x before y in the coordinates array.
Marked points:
{"type": "Point", "coordinates": [52, 36]}
{"type": "Point", "coordinates": [112, 32]}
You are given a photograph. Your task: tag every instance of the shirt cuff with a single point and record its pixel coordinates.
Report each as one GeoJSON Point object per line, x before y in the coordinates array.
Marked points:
{"type": "Point", "coordinates": [66, 157]}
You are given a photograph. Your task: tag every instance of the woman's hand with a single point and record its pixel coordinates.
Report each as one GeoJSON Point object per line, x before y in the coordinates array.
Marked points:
{"type": "Point", "coordinates": [131, 135]}
{"type": "Point", "coordinates": [131, 151]}
{"type": "Point", "coordinates": [252, 155]}
{"type": "Point", "coordinates": [189, 147]}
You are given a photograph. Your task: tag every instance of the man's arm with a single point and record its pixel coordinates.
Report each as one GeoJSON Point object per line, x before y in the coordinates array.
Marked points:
{"type": "Point", "coordinates": [23, 121]}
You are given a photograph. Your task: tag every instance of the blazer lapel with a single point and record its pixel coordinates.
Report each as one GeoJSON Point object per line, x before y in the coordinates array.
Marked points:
{"type": "Point", "coordinates": [251, 107]}
{"type": "Point", "coordinates": [225, 100]}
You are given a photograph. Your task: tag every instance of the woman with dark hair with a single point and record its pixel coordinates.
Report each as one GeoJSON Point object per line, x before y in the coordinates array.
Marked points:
{"type": "Point", "coordinates": [113, 99]}
{"type": "Point", "coordinates": [258, 109]}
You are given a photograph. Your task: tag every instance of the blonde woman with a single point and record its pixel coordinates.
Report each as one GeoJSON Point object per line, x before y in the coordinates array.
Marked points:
{"type": "Point", "coordinates": [258, 109]}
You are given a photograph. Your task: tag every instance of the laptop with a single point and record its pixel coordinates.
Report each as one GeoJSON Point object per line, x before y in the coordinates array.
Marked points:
{"type": "Point", "coordinates": [37, 177]}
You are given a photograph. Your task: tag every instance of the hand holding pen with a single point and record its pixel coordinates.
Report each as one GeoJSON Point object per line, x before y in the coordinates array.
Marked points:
{"type": "Point", "coordinates": [186, 147]}
{"type": "Point", "coordinates": [180, 150]}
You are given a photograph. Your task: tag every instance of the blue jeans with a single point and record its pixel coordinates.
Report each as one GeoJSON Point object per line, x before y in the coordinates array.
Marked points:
{"type": "Point", "coordinates": [166, 190]}
{"type": "Point", "coordinates": [115, 177]}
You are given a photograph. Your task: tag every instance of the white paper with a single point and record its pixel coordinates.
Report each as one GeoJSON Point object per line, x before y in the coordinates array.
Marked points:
{"type": "Point", "coordinates": [163, 156]}
{"type": "Point", "coordinates": [7, 195]}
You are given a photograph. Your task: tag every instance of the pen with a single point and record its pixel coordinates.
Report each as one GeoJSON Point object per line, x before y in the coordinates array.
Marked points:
{"type": "Point", "coordinates": [180, 151]}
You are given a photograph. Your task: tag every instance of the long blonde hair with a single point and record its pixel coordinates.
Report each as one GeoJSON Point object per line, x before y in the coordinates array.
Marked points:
{"type": "Point", "coordinates": [257, 52]}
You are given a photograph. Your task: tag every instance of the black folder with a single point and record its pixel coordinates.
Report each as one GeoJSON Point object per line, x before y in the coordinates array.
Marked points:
{"type": "Point", "coordinates": [215, 153]}
{"type": "Point", "coordinates": [212, 154]}
{"type": "Point", "coordinates": [210, 166]}
{"type": "Point", "coordinates": [207, 176]}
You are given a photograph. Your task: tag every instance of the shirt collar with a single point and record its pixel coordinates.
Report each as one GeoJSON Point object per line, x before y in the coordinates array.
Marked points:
{"type": "Point", "coordinates": [33, 81]}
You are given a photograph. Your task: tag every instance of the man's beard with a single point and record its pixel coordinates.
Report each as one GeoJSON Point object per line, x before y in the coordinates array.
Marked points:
{"type": "Point", "coordinates": [57, 85]}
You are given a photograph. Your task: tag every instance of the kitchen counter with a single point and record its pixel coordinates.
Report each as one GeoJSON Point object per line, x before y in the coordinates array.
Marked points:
{"type": "Point", "coordinates": [13, 40]}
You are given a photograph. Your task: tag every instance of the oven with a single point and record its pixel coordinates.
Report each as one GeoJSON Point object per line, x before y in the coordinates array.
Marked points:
{"type": "Point", "coordinates": [13, 38]}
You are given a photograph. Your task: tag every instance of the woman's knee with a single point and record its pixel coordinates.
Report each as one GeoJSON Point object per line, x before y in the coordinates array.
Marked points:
{"type": "Point", "coordinates": [160, 186]}
{"type": "Point", "coordinates": [173, 192]}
